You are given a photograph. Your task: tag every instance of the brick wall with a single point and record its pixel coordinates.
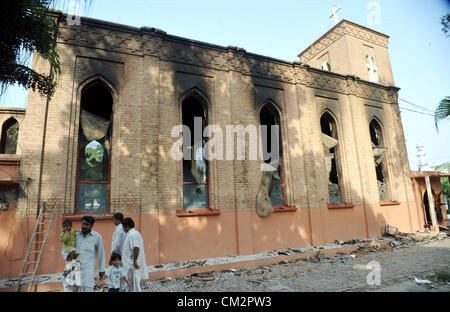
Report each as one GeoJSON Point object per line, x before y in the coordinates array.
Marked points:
{"type": "Point", "coordinates": [149, 72]}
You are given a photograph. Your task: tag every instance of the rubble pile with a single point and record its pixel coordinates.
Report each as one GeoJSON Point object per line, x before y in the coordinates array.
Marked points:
{"type": "Point", "coordinates": [403, 240]}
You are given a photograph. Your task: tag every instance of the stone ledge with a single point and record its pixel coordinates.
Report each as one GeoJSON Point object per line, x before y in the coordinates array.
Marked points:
{"type": "Point", "coordinates": [285, 209]}
{"type": "Point", "coordinates": [197, 212]}
{"type": "Point", "coordinates": [341, 206]}
{"type": "Point", "coordinates": [389, 203]}
{"type": "Point", "coordinates": [78, 217]}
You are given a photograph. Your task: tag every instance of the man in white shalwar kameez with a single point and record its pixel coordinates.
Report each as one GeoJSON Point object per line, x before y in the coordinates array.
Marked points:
{"type": "Point", "coordinates": [133, 256]}
{"type": "Point", "coordinates": [119, 234]}
{"type": "Point", "coordinates": [90, 248]}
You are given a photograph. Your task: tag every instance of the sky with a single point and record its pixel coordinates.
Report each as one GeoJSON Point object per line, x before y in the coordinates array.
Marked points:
{"type": "Point", "coordinates": [418, 48]}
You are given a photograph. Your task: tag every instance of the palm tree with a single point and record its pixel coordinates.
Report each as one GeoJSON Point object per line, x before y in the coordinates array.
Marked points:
{"type": "Point", "coordinates": [442, 111]}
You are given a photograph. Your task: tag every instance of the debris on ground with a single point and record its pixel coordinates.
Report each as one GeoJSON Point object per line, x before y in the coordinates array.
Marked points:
{"type": "Point", "coordinates": [421, 281]}
{"type": "Point", "coordinates": [348, 270]}
{"type": "Point", "coordinates": [403, 240]}
{"type": "Point", "coordinates": [386, 242]}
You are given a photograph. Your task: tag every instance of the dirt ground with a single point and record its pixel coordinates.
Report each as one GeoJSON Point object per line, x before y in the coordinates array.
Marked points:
{"type": "Point", "coordinates": [400, 264]}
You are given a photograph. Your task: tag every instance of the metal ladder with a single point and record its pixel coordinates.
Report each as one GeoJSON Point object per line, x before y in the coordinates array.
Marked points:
{"type": "Point", "coordinates": [36, 250]}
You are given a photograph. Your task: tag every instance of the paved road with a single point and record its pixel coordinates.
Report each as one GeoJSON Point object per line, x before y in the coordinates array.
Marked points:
{"type": "Point", "coordinates": [398, 267]}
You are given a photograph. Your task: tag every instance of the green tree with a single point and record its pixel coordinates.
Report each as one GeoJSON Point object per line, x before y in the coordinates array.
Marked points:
{"type": "Point", "coordinates": [445, 186]}
{"type": "Point", "coordinates": [94, 151]}
{"type": "Point", "coordinates": [27, 26]}
{"type": "Point", "coordinates": [445, 168]}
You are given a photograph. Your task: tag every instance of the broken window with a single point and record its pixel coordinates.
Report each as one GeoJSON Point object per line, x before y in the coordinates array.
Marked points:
{"type": "Point", "coordinates": [195, 183]}
{"type": "Point", "coordinates": [94, 148]}
{"type": "Point", "coordinates": [330, 143]}
{"type": "Point", "coordinates": [271, 193]}
{"type": "Point", "coordinates": [379, 155]}
{"type": "Point", "coordinates": [10, 134]}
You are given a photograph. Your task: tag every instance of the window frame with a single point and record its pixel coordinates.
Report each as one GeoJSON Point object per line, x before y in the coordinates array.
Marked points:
{"type": "Point", "coordinates": [386, 172]}
{"type": "Point", "coordinates": [272, 107]}
{"type": "Point", "coordinates": [339, 165]}
{"type": "Point", "coordinates": [7, 124]}
{"type": "Point", "coordinates": [192, 212]}
{"type": "Point", "coordinates": [84, 87]}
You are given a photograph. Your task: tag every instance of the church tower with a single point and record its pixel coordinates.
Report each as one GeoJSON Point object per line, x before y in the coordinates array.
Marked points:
{"type": "Point", "coordinates": [352, 49]}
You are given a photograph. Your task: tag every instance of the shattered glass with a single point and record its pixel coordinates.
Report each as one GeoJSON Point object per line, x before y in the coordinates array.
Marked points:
{"type": "Point", "coordinates": [330, 143]}
{"type": "Point", "coordinates": [93, 163]}
{"type": "Point", "coordinates": [194, 178]}
{"type": "Point", "coordinates": [379, 156]}
{"type": "Point", "coordinates": [382, 190]}
{"type": "Point", "coordinates": [92, 197]}
{"type": "Point", "coordinates": [194, 196]}
{"type": "Point", "coordinates": [333, 193]}
{"type": "Point", "coordinates": [275, 191]}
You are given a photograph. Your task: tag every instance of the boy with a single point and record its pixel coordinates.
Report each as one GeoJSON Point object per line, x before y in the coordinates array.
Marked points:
{"type": "Point", "coordinates": [72, 273]}
{"type": "Point", "coordinates": [68, 237]}
{"type": "Point", "coordinates": [116, 274]}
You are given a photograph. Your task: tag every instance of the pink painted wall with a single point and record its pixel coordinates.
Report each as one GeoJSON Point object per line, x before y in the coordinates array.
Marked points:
{"type": "Point", "coordinates": [169, 238]}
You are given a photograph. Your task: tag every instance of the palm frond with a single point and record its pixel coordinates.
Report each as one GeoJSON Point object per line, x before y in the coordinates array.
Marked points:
{"type": "Point", "coordinates": [442, 111]}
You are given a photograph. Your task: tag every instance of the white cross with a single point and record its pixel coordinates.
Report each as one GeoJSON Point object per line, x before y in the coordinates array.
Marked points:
{"type": "Point", "coordinates": [373, 69]}
{"type": "Point", "coordinates": [334, 14]}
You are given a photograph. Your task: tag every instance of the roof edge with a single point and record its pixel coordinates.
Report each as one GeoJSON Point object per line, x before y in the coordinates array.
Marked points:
{"type": "Point", "coordinates": [336, 26]}
{"type": "Point", "coordinates": [155, 31]}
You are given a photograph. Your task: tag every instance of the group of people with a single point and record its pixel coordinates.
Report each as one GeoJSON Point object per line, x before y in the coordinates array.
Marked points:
{"type": "Point", "coordinates": [82, 248]}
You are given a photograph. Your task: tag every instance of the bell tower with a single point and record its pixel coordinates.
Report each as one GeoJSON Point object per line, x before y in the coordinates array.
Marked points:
{"type": "Point", "coordinates": [351, 49]}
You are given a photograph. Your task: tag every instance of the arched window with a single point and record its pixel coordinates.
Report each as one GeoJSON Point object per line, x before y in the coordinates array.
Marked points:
{"type": "Point", "coordinates": [195, 166]}
{"type": "Point", "coordinates": [272, 154]}
{"type": "Point", "coordinates": [10, 134]}
{"type": "Point", "coordinates": [94, 148]}
{"type": "Point", "coordinates": [379, 156]}
{"type": "Point", "coordinates": [330, 145]}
